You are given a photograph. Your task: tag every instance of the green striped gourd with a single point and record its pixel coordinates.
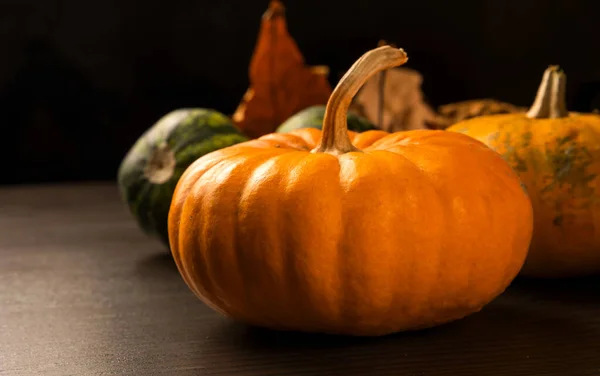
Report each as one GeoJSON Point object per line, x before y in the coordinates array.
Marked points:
{"type": "Point", "coordinates": [312, 117]}
{"type": "Point", "coordinates": [151, 169]}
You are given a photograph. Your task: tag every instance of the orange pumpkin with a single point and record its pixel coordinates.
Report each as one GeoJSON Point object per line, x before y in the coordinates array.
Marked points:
{"type": "Point", "coordinates": [358, 234]}
{"type": "Point", "coordinates": [557, 156]}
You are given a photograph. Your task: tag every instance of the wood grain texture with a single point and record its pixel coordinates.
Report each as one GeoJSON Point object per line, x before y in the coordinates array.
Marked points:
{"type": "Point", "coordinates": [84, 292]}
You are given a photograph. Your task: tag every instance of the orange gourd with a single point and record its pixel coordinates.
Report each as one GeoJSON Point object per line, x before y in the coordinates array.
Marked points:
{"type": "Point", "coordinates": [358, 234]}
{"type": "Point", "coordinates": [557, 156]}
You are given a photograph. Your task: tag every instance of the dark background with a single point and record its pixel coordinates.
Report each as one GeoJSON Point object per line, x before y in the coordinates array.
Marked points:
{"type": "Point", "coordinates": [80, 80]}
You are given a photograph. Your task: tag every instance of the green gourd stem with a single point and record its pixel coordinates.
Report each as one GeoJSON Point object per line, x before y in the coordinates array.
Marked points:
{"type": "Point", "coordinates": [550, 101]}
{"type": "Point", "coordinates": [334, 138]}
{"type": "Point", "coordinates": [161, 164]}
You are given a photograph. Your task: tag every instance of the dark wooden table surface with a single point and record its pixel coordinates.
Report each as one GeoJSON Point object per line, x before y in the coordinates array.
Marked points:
{"type": "Point", "coordinates": [84, 292]}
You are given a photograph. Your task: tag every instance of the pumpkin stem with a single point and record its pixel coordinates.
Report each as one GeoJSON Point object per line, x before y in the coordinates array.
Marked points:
{"type": "Point", "coordinates": [334, 138]}
{"type": "Point", "coordinates": [550, 101]}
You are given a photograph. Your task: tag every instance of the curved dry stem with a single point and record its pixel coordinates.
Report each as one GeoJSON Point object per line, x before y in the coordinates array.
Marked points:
{"type": "Point", "coordinates": [550, 101]}
{"type": "Point", "coordinates": [334, 138]}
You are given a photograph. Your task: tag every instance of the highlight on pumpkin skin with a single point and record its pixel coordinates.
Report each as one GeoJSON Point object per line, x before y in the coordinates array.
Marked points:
{"type": "Point", "coordinates": [334, 139]}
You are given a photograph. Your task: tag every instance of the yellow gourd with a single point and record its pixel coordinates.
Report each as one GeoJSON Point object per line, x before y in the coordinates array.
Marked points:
{"type": "Point", "coordinates": [557, 156]}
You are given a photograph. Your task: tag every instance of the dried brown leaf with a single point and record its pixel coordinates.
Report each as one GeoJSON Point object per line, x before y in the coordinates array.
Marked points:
{"type": "Point", "coordinates": [280, 83]}
{"type": "Point", "coordinates": [454, 112]}
{"type": "Point", "coordinates": [393, 100]}
{"type": "Point", "coordinates": [403, 106]}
